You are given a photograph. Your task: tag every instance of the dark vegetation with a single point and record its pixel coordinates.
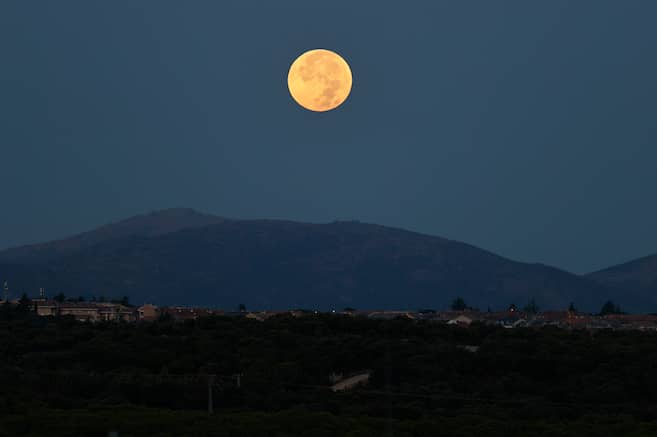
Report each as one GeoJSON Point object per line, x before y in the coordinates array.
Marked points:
{"type": "Point", "coordinates": [62, 377]}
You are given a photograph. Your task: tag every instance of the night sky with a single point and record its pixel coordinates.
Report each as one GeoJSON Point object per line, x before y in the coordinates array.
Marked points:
{"type": "Point", "coordinates": [528, 128]}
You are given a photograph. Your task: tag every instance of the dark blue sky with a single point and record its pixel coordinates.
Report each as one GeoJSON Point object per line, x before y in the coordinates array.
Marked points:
{"type": "Point", "coordinates": [528, 128]}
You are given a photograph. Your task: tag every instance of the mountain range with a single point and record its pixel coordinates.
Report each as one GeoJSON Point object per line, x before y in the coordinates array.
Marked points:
{"type": "Point", "coordinates": [180, 256]}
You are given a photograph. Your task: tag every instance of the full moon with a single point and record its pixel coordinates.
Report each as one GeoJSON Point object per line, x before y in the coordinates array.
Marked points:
{"type": "Point", "coordinates": [319, 80]}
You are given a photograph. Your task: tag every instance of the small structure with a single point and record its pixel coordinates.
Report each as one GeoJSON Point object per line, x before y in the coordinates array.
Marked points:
{"type": "Point", "coordinates": [260, 317]}
{"type": "Point", "coordinates": [520, 323]}
{"type": "Point", "coordinates": [461, 320]}
{"type": "Point", "coordinates": [390, 315]}
{"type": "Point", "coordinates": [351, 382]}
{"type": "Point", "coordinates": [148, 312]}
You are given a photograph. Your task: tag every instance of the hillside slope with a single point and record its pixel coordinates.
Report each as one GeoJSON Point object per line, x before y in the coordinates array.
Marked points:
{"type": "Point", "coordinates": [146, 225]}
{"type": "Point", "coordinates": [638, 277]}
{"type": "Point", "coordinates": [280, 264]}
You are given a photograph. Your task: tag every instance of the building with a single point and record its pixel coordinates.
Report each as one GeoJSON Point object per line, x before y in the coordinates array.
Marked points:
{"type": "Point", "coordinates": [86, 311]}
{"type": "Point", "coordinates": [148, 312]}
{"type": "Point", "coordinates": [461, 320]}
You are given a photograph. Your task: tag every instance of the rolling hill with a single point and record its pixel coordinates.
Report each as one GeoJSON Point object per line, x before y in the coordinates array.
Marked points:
{"type": "Point", "coordinates": [184, 257]}
{"type": "Point", "coordinates": [146, 225]}
{"type": "Point", "coordinates": [638, 277]}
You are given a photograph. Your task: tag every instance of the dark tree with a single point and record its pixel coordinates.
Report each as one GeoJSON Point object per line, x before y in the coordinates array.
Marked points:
{"type": "Point", "coordinates": [61, 297]}
{"type": "Point", "coordinates": [571, 308]}
{"type": "Point", "coordinates": [80, 298]}
{"type": "Point", "coordinates": [24, 304]}
{"type": "Point", "coordinates": [531, 307]}
{"type": "Point", "coordinates": [610, 308]}
{"type": "Point", "coordinates": [125, 301]}
{"type": "Point", "coordinates": [458, 304]}
{"type": "Point", "coordinates": [241, 308]}
{"type": "Point", "coordinates": [165, 318]}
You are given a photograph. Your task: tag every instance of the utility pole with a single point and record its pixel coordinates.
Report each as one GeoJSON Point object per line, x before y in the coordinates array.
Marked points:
{"type": "Point", "coordinates": [210, 384]}
{"type": "Point", "coordinates": [6, 292]}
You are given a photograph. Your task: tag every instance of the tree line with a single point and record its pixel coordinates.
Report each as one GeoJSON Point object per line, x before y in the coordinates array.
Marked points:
{"type": "Point", "coordinates": [609, 307]}
{"type": "Point", "coordinates": [64, 377]}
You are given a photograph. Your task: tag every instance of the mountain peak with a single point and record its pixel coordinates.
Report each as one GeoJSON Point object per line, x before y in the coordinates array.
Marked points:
{"type": "Point", "coordinates": [158, 222]}
{"type": "Point", "coordinates": [151, 224]}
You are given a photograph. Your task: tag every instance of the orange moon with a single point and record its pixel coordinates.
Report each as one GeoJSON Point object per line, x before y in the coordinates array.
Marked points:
{"type": "Point", "coordinates": [319, 80]}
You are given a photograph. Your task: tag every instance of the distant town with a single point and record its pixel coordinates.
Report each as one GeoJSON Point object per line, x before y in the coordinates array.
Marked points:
{"type": "Point", "coordinates": [98, 310]}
